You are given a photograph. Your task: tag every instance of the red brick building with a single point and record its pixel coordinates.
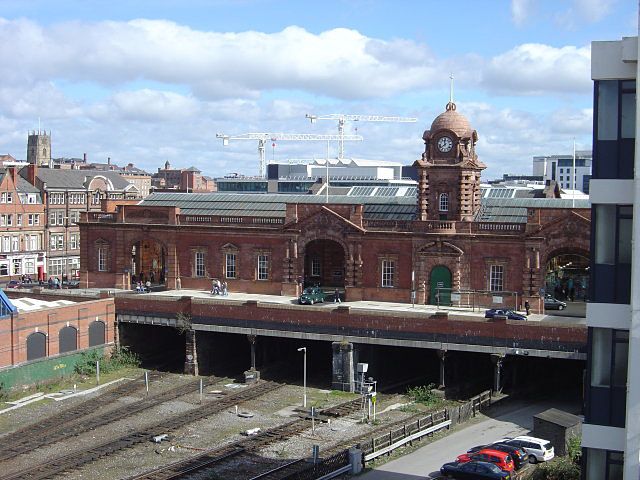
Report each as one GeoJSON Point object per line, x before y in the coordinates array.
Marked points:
{"type": "Point", "coordinates": [447, 240]}
{"type": "Point", "coordinates": [40, 326]}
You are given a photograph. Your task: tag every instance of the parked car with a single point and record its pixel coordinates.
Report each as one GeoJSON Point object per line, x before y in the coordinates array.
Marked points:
{"type": "Point", "coordinates": [13, 284]}
{"type": "Point", "coordinates": [551, 303]}
{"type": "Point", "coordinates": [311, 295]}
{"type": "Point", "coordinates": [510, 314]}
{"type": "Point", "coordinates": [519, 456]}
{"type": "Point", "coordinates": [474, 470]}
{"type": "Point", "coordinates": [501, 459]}
{"type": "Point", "coordinates": [71, 284]}
{"type": "Point", "coordinates": [539, 449]}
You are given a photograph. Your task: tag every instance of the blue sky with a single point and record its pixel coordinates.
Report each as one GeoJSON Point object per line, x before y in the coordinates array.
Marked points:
{"type": "Point", "coordinates": [147, 81]}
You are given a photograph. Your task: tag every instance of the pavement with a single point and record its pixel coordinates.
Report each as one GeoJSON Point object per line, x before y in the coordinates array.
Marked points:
{"type": "Point", "coordinates": [556, 316]}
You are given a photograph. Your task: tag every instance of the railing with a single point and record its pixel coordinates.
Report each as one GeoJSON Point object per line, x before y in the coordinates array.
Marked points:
{"type": "Point", "coordinates": [228, 220]}
{"type": "Point", "coordinates": [499, 227]}
{"type": "Point", "coordinates": [399, 225]}
{"type": "Point", "coordinates": [101, 217]}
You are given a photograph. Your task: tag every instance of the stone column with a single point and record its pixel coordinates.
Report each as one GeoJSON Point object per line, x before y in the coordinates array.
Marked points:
{"type": "Point", "coordinates": [252, 375]}
{"type": "Point", "coordinates": [191, 360]}
{"type": "Point", "coordinates": [497, 370]}
{"type": "Point", "coordinates": [343, 375]}
{"type": "Point", "coordinates": [442, 354]}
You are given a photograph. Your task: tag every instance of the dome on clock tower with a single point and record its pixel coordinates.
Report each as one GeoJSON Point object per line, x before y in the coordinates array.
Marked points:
{"type": "Point", "coordinates": [454, 121]}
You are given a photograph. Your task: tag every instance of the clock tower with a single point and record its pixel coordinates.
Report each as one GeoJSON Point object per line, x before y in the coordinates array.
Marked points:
{"type": "Point", "coordinates": [449, 170]}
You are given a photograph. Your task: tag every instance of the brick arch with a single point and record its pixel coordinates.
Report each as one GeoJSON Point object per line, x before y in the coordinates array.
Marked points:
{"type": "Point", "coordinates": [565, 250]}
{"type": "Point", "coordinates": [326, 277]}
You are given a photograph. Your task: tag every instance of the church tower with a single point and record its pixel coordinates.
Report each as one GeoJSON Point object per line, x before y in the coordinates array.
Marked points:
{"type": "Point", "coordinates": [39, 148]}
{"type": "Point", "coordinates": [449, 170]}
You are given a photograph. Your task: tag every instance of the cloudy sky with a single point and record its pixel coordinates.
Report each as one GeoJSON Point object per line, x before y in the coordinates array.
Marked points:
{"type": "Point", "coordinates": [154, 80]}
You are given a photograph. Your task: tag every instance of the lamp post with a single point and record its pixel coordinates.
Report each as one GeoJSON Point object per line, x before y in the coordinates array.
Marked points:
{"type": "Point", "coordinates": [304, 377]}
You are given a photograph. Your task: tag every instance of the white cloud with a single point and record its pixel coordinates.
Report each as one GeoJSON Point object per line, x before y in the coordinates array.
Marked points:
{"type": "Point", "coordinates": [589, 11]}
{"type": "Point", "coordinates": [340, 62]}
{"type": "Point", "coordinates": [533, 69]}
{"type": "Point", "coordinates": [153, 105]}
{"type": "Point", "coordinates": [520, 11]}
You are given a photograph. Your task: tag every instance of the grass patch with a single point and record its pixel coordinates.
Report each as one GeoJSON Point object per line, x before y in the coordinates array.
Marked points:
{"type": "Point", "coordinates": [120, 358]}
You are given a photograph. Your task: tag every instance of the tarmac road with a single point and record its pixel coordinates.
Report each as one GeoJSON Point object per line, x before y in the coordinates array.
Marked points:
{"type": "Point", "coordinates": [424, 463]}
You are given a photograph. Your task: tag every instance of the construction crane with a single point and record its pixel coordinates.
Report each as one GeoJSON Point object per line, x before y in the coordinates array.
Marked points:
{"type": "Point", "coordinates": [263, 138]}
{"type": "Point", "coordinates": [342, 119]}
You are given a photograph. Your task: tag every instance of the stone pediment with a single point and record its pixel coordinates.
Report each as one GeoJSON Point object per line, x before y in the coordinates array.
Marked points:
{"type": "Point", "coordinates": [571, 224]}
{"type": "Point", "coordinates": [440, 248]}
{"type": "Point", "coordinates": [325, 219]}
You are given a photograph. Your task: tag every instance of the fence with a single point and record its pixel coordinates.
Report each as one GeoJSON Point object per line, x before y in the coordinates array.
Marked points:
{"type": "Point", "coordinates": [397, 436]}
{"type": "Point", "coordinates": [476, 299]}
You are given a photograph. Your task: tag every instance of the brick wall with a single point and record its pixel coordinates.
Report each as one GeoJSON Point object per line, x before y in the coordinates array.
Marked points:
{"type": "Point", "coordinates": [15, 330]}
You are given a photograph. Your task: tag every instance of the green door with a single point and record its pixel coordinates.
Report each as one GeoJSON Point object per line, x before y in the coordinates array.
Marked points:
{"type": "Point", "coordinates": [440, 285]}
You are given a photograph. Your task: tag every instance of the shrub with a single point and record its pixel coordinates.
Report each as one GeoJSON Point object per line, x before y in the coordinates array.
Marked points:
{"type": "Point", "coordinates": [574, 449]}
{"type": "Point", "coordinates": [120, 357]}
{"type": "Point", "coordinates": [561, 468]}
{"type": "Point", "coordinates": [423, 394]}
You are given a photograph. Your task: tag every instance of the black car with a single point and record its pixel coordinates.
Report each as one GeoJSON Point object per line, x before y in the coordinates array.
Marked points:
{"type": "Point", "coordinates": [520, 457]}
{"type": "Point", "coordinates": [474, 470]}
{"type": "Point", "coordinates": [510, 314]}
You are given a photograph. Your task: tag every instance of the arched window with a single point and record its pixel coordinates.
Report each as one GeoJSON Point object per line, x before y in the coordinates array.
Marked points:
{"type": "Point", "coordinates": [44, 152]}
{"type": "Point", "coordinates": [36, 346]}
{"type": "Point", "coordinates": [444, 202]}
{"type": "Point", "coordinates": [67, 340]}
{"type": "Point", "coordinates": [96, 333]}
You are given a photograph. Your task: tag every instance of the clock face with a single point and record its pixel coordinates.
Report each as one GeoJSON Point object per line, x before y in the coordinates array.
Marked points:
{"type": "Point", "coordinates": [445, 144]}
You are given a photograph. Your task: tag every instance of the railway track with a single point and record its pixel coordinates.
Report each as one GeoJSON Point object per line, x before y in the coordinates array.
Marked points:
{"type": "Point", "coordinates": [77, 459]}
{"type": "Point", "coordinates": [245, 446]}
{"type": "Point", "coordinates": [78, 411]}
{"type": "Point", "coordinates": [32, 439]}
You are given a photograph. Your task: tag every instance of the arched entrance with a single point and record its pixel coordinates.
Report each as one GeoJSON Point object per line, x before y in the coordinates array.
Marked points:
{"type": "Point", "coordinates": [440, 283]}
{"type": "Point", "coordinates": [567, 275]}
{"type": "Point", "coordinates": [324, 264]}
{"type": "Point", "coordinates": [148, 262]}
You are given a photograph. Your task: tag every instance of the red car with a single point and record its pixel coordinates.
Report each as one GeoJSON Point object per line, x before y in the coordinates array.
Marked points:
{"type": "Point", "coordinates": [501, 459]}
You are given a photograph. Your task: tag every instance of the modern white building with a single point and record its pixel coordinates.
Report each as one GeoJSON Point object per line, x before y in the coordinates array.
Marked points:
{"type": "Point", "coordinates": [562, 167]}
{"type": "Point", "coordinates": [611, 431]}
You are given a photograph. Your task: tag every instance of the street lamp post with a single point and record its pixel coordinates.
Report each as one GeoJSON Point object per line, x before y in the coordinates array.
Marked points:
{"type": "Point", "coordinates": [304, 377]}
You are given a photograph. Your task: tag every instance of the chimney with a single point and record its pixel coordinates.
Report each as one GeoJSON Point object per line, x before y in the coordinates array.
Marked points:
{"type": "Point", "coordinates": [84, 157]}
{"type": "Point", "coordinates": [32, 172]}
{"type": "Point", "coordinates": [108, 160]}
{"type": "Point", "coordinates": [13, 172]}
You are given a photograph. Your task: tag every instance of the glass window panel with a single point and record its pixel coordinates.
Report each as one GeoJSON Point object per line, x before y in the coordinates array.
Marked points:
{"type": "Point", "coordinates": [596, 462]}
{"type": "Point", "coordinates": [628, 116]}
{"type": "Point", "coordinates": [607, 110]}
{"type": "Point", "coordinates": [624, 240]}
{"type": "Point", "coordinates": [620, 362]}
{"type": "Point", "coordinates": [605, 234]}
{"type": "Point", "coordinates": [601, 357]}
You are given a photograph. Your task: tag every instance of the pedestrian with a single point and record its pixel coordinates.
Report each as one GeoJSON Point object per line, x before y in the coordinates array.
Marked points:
{"type": "Point", "coordinates": [148, 286]}
{"type": "Point", "coordinates": [336, 296]}
{"type": "Point", "coordinates": [214, 287]}
{"type": "Point", "coordinates": [224, 288]}
{"type": "Point", "coordinates": [527, 307]}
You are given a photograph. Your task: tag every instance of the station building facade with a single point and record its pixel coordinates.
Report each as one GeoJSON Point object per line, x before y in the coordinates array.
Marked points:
{"type": "Point", "coordinates": [441, 242]}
